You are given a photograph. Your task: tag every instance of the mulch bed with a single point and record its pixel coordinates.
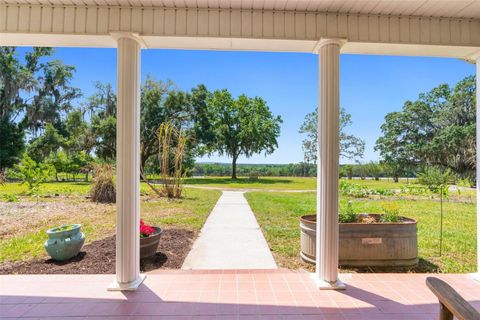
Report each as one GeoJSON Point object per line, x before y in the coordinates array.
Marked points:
{"type": "Point", "coordinates": [99, 257]}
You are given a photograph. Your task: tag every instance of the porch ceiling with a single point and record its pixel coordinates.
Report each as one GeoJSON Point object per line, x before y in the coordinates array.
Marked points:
{"type": "Point", "coordinates": [420, 8]}
{"type": "Point", "coordinates": [438, 28]}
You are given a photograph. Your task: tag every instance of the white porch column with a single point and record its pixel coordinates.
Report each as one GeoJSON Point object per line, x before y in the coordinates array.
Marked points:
{"type": "Point", "coordinates": [478, 166]}
{"type": "Point", "coordinates": [128, 164]}
{"type": "Point", "coordinates": [326, 274]}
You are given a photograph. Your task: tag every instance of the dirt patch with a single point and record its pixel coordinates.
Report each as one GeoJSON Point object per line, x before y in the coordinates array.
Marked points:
{"type": "Point", "coordinates": [17, 218]}
{"type": "Point", "coordinates": [99, 257]}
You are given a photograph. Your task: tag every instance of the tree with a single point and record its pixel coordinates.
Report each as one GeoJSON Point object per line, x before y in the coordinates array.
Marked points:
{"type": "Point", "coordinates": [102, 107]}
{"type": "Point", "coordinates": [348, 171]}
{"type": "Point", "coordinates": [53, 99]}
{"type": "Point", "coordinates": [394, 169]}
{"type": "Point", "coordinates": [33, 173]}
{"type": "Point", "coordinates": [437, 180]}
{"type": "Point", "coordinates": [351, 147]}
{"type": "Point", "coordinates": [50, 141]}
{"type": "Point", "coordinates": [78, 134]}
{"type": "Point", "coordinates": [375, 170]}
{"type": "Point", "coordinates": [11, 144]}
{"type": "Point", "coordinates": [59, 160]}
{"type": "Point", "coordinates": [17, 81]}
{"type": "Point", "coordinates": [161, 102]}
{"type": "Point", "coordinates": [203, 130]}
{"type": "Point", "coordinates": [77, 162]}
{"type": "Point", "coordinates": [242, 126]}
{"type": "Point", "coordinates": [437, 129]}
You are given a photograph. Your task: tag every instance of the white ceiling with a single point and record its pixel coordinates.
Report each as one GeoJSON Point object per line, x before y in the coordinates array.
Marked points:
{"type": "Point", "coordinates": [426, 8]}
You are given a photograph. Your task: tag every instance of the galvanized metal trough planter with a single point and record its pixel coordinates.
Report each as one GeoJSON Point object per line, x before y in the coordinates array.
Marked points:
{"type": "Point", "coordinates": [366, 244]}
{"type": "Point", "coordinates": [149, 245]}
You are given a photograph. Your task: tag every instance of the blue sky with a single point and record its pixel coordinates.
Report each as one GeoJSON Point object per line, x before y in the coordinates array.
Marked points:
{"type": "Point", "coordinates": [371, 86]}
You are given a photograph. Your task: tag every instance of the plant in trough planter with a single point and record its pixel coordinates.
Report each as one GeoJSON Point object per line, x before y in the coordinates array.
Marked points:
{"type": "Point", "coordinates": [348, 215]}
{"type": "Point", "coordinates": [367, 239]}
{"type": "Point", "coordinates": [390, 213]}
{"type": "Point", "coordinates": [64, 242]}
{"type": "Point", "coordinates": [149, 239]}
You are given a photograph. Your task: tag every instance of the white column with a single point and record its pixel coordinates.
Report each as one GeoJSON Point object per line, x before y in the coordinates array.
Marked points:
{"type": "Point", "coordinates": [128, 164]}
{"type": "Point", "coordinates": [326, 274]}
{"type": "Point", "coordinates": [477, 166]}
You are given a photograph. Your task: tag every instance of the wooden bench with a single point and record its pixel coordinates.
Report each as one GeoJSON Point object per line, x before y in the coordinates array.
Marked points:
{"type": "Point", "coordinates": [451, 303]}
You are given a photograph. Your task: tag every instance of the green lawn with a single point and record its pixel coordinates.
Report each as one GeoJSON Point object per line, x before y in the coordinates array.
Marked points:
{"type": "Point", "coordinates": [278, 215]}
{"type": "Point", "coordinates": [277, 212]}
{"type": "Point", "coordinates": [286, 183]}
{"type": "Point", "coordinates": [382, 183]}
{"type": "Point", "coordinates": [98, 220]}
{"type": "Point", "coordinates": [50, 189]}
{"type": "Point", "coordinates": [271, 183]}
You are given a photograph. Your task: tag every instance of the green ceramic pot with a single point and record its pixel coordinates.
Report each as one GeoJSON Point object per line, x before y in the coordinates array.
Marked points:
{"type": "Point", "coordinates": [64, 242]}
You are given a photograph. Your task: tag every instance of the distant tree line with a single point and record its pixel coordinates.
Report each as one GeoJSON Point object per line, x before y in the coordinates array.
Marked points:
{"type": "Point", "coordinates": [301, 169]}
{"type": "Point", "coordinates": [371, 170]}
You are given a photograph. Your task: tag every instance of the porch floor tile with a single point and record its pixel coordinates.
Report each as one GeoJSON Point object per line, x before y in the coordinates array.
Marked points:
{"type": "Point", "coordinates": [227, 294]}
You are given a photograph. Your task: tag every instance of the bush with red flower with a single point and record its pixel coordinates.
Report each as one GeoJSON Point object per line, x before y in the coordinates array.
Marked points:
{"type": "Point", "coordinates": [146, 230]}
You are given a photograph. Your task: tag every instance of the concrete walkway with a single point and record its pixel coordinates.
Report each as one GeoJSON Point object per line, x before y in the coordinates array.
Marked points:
{"type": "Point", "coordinates": [231, 238]}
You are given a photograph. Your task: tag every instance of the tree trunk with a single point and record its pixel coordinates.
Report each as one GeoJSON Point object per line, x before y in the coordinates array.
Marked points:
{"type": "Point", "coordinates": [143, 160]}
{"type": "Point", "coordinates": [234, 167]}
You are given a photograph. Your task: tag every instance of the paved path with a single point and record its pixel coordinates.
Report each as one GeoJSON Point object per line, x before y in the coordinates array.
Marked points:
{"type": "Point", "coordinates": [231, 238]}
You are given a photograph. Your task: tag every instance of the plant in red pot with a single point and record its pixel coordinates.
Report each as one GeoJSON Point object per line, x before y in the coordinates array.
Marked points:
{"type": "Point", "coordinates": [149, 239]}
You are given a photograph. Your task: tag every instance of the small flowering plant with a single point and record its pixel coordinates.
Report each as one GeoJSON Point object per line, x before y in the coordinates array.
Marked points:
{"type": "Point", "coordinates": [146, 230]}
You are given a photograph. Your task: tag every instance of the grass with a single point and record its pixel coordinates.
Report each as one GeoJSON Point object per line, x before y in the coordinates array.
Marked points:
{"type": "Point", "coordinates": [271, 183]}
{"type": "Point", "coordinates": [51, 189]}
{"type": "Point", "coordinates": [287, 183]}
{"type": "Point", "coordinates": [98, 220]}
{"type": "Point", "coordinates": [189, 212]}
{"type": "Point", "coordinates": [382, 183]}
{"type": "Point", "coordinates": [278, 215]}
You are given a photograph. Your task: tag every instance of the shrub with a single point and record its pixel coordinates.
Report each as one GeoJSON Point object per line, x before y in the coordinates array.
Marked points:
{"type": "Point", "coordinates": [357, 191]}
{"type": "Point", "coordinates": [33, 173]}
{"type": "Point", "coordinates": [383, 192]}
{"type": "Point", "coordinates": [10, 197]}
{"type": "Point", "coordinates": [465, 182]}
{"type": "Point", "coordinates": [353, 190]}
{"type": "Point", "coordinates": [253, 176]}
{"type": "Point", "coordinates": [415, 190]}
{"type": "Point", "coordinates": [390, 213]}
{"type": "Point", "coordinates": [348, 215]}
{"type": "Point", "coordinates": [172, 146]}
{"type": "Point", "coordinates": [103, 185]}
{"type": "Point", "coordinates": [435, 178]}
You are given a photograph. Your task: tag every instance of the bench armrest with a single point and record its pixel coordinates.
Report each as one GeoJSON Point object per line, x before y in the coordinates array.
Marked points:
{"type": "Point", "coordinates": [452, 304]}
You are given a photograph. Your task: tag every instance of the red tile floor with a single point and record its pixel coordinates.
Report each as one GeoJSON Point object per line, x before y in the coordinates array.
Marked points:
{"type": "Point", "coordinates": [266, 294]}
